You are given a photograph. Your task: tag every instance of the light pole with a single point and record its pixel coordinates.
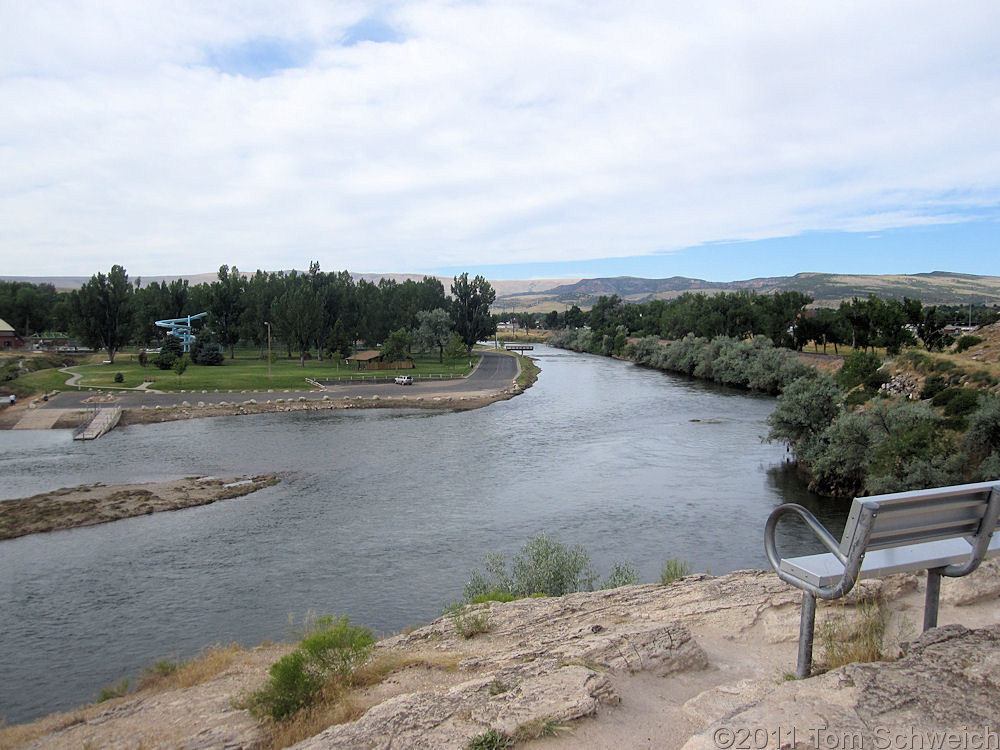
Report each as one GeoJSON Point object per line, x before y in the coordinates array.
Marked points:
{"type": "Point", "coordinates": [268, 349]}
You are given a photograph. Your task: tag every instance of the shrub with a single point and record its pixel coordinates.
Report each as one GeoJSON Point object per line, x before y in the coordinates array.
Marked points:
{"type": "Point", "coordinates": [983, 377]}
{"type": "Point", "coordinates": [119, 377]}
{"type": "Point", "coordinates": [941, 398]}
{"type": "Point", "coordinates": [933, 385]}
{"type": "Point", "coordinates": [966, 342]}
{"type": "Point", "coordinates": [943, 365]}
{"type": "Point", "coordinates": [862, 639]}
{"type": "Point", "coordinates": [206, 352]}
{"type": "Point", "coordinates": [673, 569]}
{"type": "Point", "coordinates": [115, 691]}
{"type": "Point", "coordinates": [332, 650]}
{"type": "Point", "coordinates": [805, 408]}
{"type": "Point", "coordinates": [859, 368]}
{"type": "Point", "coordinates": [857, 397]}
{"type": "Point", "coordinates": [165, 360]}
{"type": "Point", "coordinates": [337, 646]}
{"type": "Point", "coordinates": [983, 435]}
{"type": "Point", "coordinates": [492, 739]}
{"type": "Point", "coordinates": [468, 623]}
{"type": "Point", "coordinates": [921, 362]}
{"type": "Point", "coordinates": [839, 459]}
{"type": "Point", "coordinates": [293, 684]}
{"type": "Point", "coordinates": [962, 403]}
{"type": "Point", "coordinates": [622, 574]}
{"type": "Point", "coordinates": [542, 566]}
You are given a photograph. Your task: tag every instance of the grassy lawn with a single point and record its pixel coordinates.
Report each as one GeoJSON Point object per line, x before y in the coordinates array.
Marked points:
{"type": "Point", "coordinates": [247, 374]}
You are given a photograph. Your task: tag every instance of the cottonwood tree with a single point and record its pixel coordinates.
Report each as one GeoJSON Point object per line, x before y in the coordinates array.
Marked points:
{"type": "Point", "coordinates": [226, 304]}
{"type": "Point", "coordinates": [470, 309]}
{"type": "Point", "coordinates": [102, 311]}
{"type": "Point", "coordinates": [434, 330]}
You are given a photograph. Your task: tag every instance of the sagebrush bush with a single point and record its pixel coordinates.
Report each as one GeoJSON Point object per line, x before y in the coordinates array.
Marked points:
{"type": "Point", "coordinates": [622, 573]}
{"type": "Point", "coordinates": [542, 566]}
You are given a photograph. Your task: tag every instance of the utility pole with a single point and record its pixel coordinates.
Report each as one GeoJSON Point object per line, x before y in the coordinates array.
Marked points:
{"type": "Point", "coordinates": [268, 349]}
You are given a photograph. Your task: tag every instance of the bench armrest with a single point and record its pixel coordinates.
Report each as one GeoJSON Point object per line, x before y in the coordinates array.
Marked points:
{"type": "Point", "coordinates": [981, 541]}
{"type": "Point", "coordinates": [851, 565]}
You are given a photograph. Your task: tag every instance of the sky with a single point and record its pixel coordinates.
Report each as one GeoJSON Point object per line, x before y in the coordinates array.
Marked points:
{"type": "Point", "coordinates": [515, 138]}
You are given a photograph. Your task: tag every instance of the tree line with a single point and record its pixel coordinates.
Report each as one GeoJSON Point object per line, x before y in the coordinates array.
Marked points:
{"type": "Point", "coordinates": [329, 313]}
{"type": "Point", "coordinates": [782, 317]}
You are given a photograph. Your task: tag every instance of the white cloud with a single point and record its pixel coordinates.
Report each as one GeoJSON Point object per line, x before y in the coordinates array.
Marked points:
{"type": "Point", "coordinates": [489, 133]}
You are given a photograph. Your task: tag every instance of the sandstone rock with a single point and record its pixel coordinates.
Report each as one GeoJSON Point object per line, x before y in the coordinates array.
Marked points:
{"type": "Point", "coordinates": [949, 681]}
{"type": "Point", "coordinates": [979, 586]}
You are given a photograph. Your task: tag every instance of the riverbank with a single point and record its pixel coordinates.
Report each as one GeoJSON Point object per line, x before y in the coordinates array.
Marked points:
{"type": "Point", "coordinates": [643, 666]}
{"type": "Point", "coordinates": [67, 409]}
{"type": "Point", "coordinates": [88, 505]}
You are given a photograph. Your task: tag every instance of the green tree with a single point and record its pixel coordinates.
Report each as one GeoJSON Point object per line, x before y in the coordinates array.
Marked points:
{"type": "Point", "coordinates": [102, 311]}
{"type": "Point", "coordinates": [396, 346]}
{"type": "Point", "coordinates": [205, 351]}
{"type": "Point", "coordinates": [297, 313]}
{"type": "Point", "coordinates": [470, 309]}
{"type": "Point", "coordinates": [180, 365]}
{"type": "Point", "coordinates": [574, 317]}
{"type": "Point", "coordinates": [434, 331]}
{"type": "Point", "coordinates": [338, 344]}
{"type": "Point", "coordinates": [455, 348]}
{"type": "Point", "coordinates": [226, 304]}
{"type": "Point", "coordinates": [858, 368]}
{"type": "Point", "coordinates": [804, 409]}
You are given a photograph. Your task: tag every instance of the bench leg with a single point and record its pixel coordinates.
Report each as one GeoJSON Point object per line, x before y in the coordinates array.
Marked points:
{"type": "Point", "coordinates": [932, 598]}
{"type": "Point", "coordinates": [807, 626]}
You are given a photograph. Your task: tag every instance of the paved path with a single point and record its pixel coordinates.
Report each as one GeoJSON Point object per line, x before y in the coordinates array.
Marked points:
{"type": "Point", "coordinates": [495, 372]}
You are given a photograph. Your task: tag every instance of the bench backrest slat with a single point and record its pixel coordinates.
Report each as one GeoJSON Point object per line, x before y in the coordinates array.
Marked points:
{"type": "Point", "coordinates": [919, 516]}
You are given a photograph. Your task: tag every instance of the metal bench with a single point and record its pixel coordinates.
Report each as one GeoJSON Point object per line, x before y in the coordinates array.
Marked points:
{"type": "Point", "coordinates": [946, 531]}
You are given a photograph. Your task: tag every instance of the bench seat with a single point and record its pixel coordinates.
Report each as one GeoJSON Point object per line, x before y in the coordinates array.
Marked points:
{"type": "Point", "coordinates": [825, 570]}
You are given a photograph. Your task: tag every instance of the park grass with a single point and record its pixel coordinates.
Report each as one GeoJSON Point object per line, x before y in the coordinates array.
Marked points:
{"type": "Point", "coordinates": [529, 371]}
{"type": "Point", "coordinates": [41, 381]}
{"type": "Point", "coordinates": [236, 374]}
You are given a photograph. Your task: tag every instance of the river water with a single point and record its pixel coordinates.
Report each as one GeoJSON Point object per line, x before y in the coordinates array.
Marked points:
{"type": "Point", "coordinates": [380, 515]}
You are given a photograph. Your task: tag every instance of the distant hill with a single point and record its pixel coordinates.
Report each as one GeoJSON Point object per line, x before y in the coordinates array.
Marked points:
{"type": "Point", "coordinates": [527, 286]}
{"type": "Point", "coordinates": [937, 287]}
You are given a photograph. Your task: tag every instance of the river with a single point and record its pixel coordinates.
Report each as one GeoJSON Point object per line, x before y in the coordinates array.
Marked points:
{"type": "Point", "coordinates": [380, 515]}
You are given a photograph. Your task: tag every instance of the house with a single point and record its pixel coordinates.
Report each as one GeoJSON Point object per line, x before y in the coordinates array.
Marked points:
{"type": "Point", "coordinates": [8, 336]}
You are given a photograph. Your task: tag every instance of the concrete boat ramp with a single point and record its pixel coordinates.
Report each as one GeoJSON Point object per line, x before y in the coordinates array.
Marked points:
{"type": "Point", "coordinates": [94, 423]}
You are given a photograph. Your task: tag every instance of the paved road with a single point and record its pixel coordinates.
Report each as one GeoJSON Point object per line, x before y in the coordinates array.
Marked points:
{"type": "Point", "coordinates": [495, 372]}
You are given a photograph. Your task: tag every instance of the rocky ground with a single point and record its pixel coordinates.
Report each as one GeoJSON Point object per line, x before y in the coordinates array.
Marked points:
{"type": "Point", "coordinates": [701, 663]}
{"type": "Point", "coordinates": [91, 504]}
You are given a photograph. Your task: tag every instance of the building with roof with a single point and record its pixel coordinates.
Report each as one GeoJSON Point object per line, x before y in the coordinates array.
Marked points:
{"type": "Point", "coordinates": [8, 336]}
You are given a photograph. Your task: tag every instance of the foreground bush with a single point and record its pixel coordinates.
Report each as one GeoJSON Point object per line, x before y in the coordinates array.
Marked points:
{"type": "Point", "coordinates": [331, 651]}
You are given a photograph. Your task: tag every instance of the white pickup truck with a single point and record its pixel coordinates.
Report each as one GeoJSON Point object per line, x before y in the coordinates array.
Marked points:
{"type": "Point", "coordinates": [404, 380]}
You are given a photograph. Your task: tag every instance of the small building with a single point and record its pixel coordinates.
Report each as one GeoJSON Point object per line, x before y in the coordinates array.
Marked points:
{"type": "Point", "coordinates": [8, 336]}
{"type": "Point", "coordinates": [367, 360]}
{"type": "Point", "coordinates": [371, 359]}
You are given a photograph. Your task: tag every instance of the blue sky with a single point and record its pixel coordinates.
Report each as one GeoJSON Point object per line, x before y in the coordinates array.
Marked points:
{"type": "Point", "coordinates": [719, 140]}
{"type": "Point", "coordinates": [966, 247]}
